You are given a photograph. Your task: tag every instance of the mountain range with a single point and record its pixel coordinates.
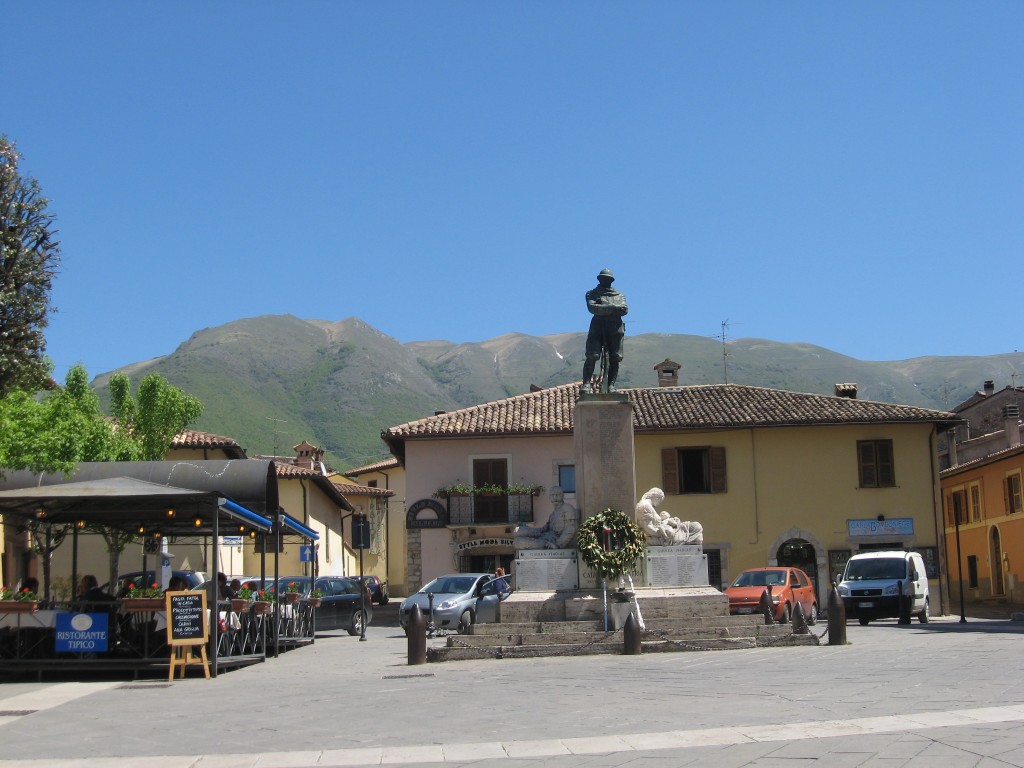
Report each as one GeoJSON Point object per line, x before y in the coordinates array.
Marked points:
{"type": "Point", "coordinates": [273, 381]}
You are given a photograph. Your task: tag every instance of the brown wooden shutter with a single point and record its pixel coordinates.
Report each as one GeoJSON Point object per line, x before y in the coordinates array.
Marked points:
{"type": "Point", "coordinates": [866, 459]}
{"type": "Point", "coordinates": [717, 457]}
{"type": "Point", "coordinates": [670, 470]}
{"type": "Point", "coordinates": [1006, 494]}
{"type": "Point", "coordinates": [886, 471]}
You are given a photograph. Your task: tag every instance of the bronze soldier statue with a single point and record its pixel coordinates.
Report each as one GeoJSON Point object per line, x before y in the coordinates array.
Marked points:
{"type": "Point", "coordinates": [607, 330]}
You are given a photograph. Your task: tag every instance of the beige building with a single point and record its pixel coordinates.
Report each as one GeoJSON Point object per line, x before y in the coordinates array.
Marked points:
{"type": "Point", "coordinates": [774, 477]}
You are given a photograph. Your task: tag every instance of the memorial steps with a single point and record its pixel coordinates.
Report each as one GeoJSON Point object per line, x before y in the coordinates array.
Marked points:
{"type": "Point", "coordinates": [703, 626]}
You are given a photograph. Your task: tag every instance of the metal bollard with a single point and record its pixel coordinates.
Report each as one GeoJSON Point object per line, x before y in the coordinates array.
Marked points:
{"type": "Point", "coordinates": [800, 621]}
{"type": "Point", "coordinates": [631, 637]}
{"type": "Point", "coordinates": [766, 607]}
{"type": "Point", "coordinates": [904, 603]}
{"type": "Point", "coordinates": [416, 634]}
{"type": "Point", "coordinates": [836, 618]}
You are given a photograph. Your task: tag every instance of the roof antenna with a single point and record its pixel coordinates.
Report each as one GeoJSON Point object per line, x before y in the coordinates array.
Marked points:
{"type": "Point", "coordinates": [725, 350]}
{"type": "Point", "coordinates": [276, 432]}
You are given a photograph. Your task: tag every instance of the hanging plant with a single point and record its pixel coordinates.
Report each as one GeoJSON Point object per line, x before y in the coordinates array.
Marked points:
{"type": "Point", "coordinates": [628, 537]}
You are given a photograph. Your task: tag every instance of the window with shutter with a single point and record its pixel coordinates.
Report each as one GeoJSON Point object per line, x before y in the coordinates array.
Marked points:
{"type": "Point", "coordinates": [670, 470]}
{"type": "Point", "coordinates": [693, 470]}
{"type": "Point", "coordinates": [875, 464]}
{"type": "Point", "coordinates": [1013, 493]}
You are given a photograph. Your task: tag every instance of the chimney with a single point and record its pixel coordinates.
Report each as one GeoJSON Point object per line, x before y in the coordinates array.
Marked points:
{"type": "Point", "coordinates": [989, 387]}
{"type": "Point", "coordinates": [847, 390]}
{"type": "Point", "coordinates": [668, 373]}
{"type": "Point", "coordinates": [304, 454]}
{"type": "Point", "coordinates": [1011, 420]}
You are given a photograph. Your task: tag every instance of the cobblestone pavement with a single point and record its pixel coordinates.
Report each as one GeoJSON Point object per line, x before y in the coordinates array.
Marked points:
{"type": "Point", "coordinates": [944, 694]}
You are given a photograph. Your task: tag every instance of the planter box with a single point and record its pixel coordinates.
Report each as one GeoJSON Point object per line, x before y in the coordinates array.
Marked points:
{"type": "Point", "coordinates": [142, 604]}
{"type": "Point", "coordinates": [18, 606]}
{"type": "Point", "coordinates": [260, 607]}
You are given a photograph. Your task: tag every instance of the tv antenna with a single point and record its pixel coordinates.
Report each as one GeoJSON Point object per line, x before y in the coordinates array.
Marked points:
{"type": "Point", "coordinates": [725, 350]}
{"type": "Point", "coordinates": [276, 432]}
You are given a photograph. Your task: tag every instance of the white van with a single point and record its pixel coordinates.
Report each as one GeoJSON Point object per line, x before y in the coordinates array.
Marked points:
{"type": "Point", "coordinates": [871, 582]}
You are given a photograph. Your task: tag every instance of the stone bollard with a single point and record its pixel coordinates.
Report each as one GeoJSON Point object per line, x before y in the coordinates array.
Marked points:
{"type": "Point", "coordinates": [416, 634]}
{"type": "Point", "coordinates": [631, 637]}
{"type": "Point", "coordinates": [904, 603]}
{"type": "Point", "coordinates": [800, 621]}
{"type": "Point", "coordinates": [836, 618]}
{"type": "Point", "coordinates": [766, 607]}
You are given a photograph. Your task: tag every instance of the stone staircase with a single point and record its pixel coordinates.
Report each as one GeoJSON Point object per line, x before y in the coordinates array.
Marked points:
{"type": "Point", "coordinates": [695, 619]}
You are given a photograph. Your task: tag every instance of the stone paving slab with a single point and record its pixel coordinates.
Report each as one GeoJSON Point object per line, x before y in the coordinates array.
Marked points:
{"type": "Point", "coordinates": [890, 697]}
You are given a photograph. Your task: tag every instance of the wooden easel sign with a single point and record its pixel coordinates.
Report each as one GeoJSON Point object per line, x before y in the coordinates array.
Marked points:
{"type": "Point", "coordinates": [188, 627]}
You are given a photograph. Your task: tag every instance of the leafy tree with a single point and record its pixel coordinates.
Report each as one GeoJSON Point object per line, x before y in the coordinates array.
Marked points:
{"type": "Point", "coordinates": [29, 258]}
{"type": "Point", "coordinates": [66, 426]}
{"type": "Point", "coordinates": [55, 433]}
{"type": "Point", "coordinates": [151, 419]}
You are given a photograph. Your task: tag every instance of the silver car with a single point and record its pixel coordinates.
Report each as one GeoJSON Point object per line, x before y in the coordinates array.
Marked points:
{"type": "Point", "coordinates": [459, 600]}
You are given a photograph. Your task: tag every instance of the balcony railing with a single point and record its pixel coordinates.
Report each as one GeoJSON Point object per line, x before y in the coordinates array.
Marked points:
{"type": "Point", "coordinates": [490, 509]}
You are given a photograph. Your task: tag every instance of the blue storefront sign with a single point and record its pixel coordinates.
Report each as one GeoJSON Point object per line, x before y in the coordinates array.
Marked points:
{"type": "Point", "coordinates": [82, 632]}
{"type": "Point", "coordinates": [898, 526]}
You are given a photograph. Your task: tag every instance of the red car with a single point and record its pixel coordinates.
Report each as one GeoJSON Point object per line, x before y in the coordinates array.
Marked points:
{"type": "Point", "coordinates": [789, 586]}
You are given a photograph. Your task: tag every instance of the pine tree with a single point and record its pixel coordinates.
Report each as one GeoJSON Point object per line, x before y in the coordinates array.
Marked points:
{"type": "Point", "coordinates": [29, 258]}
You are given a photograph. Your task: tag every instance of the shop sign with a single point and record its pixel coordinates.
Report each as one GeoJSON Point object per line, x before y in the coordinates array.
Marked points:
{"type": "Point", "coordinates": [495, 541]}
{"type": "Point", "coordinates": [82, 633]}
{"type": "Point", "coordinates": [898, 526]}
{"type": "Point", "coordinates": [426, 513]}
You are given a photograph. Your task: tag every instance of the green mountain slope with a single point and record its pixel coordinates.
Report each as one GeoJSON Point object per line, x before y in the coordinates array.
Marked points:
{"type": "Point", "coordinates": [272, 381]}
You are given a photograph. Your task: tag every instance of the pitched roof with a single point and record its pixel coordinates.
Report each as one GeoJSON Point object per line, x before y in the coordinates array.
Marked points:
{"type": "Point", "coordinates": [982, 461]}
{"type": "Point", "coordinates": [377, 466]}
{"type": "Point", "coordinates": [351, 489]}
{"type": "Point", "coordinates": [293, 472]}
{"type": "Point", "coordinates": [704, 407]}
{"type": "Point", "coordinates": [195, 439]}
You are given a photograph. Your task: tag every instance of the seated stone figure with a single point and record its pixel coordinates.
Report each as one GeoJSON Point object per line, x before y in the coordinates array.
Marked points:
{"type": "Point", "coordinates": [558, 533]}
{"type": "Point", "coordinates": [662, 529]}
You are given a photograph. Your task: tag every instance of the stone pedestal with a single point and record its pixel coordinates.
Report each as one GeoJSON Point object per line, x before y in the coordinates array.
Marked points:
{"type": "Point", "coordinates": [546, 570]}
{"type": "Point", "coordinates": [683, 565]}
{"type": "Point", "coordinates": [603, 444]}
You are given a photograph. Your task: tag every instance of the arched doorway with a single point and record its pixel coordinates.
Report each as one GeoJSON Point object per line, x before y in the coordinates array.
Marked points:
{"type": "Point", "coordinates": [799, 553]}
{"type": "Point", "coordinates": [996, 557]}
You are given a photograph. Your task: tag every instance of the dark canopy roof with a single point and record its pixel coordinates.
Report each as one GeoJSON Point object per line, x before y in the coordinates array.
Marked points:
{"type": "Point", "coordinates": [142, 494]}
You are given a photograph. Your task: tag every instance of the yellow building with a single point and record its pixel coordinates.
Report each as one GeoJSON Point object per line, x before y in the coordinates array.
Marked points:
{"type": "Point", "coordinates": [384, 502]}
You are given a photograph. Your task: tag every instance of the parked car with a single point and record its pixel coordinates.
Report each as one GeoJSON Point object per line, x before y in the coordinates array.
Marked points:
{"type": "Point", "coordinates": [870, 585]}
{"type": "Point", "coordinates": [341, 606]}
{"type": "Point", "coordinates": [192, 580]}
{"type": "Point", "coordinates": [378, 588]}
{"type": "Point", "coordinates": [459, 600]}
{"type": "Point", "coordinates": [789, 586]}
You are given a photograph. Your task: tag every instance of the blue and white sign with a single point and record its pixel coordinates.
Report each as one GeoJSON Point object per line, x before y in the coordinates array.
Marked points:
{"type": "Point", "coordinates": [82, 632]}
{"type": "Point", "coordinates": [898, 526]}
{"type": "Point", "coordinates": [231, 541]}
{"type": "Point", "coordinates": [306, 553]}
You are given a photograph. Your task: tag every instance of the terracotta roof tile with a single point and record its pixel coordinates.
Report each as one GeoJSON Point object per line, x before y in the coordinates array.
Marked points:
{"type": "Point", "coordinates": [196, 439]}
{"type": "Point", "coordinates": [391, 463]}
{"type": "Point", "coordinates": [351, 489]}
{"type": "Point", "coordinates": [714, 406]}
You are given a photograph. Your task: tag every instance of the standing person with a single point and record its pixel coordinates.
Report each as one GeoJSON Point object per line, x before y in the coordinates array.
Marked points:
{"type": "Point", "coordinates": [501, 582]}
{"type": "Point", "coordinates": [607, 330]}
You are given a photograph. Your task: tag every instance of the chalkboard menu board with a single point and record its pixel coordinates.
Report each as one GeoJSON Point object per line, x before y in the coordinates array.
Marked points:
{"type": "Point", "coordinates": [187, 622]}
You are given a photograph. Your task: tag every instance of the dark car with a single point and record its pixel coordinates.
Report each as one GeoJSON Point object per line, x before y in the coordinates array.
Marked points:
{"type": "Point", "coordinates": [341, 604]}
{"type": "Point", "coordinates": [378, 589]}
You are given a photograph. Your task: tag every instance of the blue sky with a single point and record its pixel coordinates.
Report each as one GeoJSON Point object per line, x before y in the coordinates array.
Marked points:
{"type": "Point", "coordinates": [843, 175]}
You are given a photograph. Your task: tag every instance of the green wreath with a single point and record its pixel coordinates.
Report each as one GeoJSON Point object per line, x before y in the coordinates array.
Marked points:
{"type": "Point", "coordinates": [590, 542]}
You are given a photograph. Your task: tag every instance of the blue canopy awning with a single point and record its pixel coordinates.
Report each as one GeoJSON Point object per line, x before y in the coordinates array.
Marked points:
{"type": "Point", "coordinates": [299, 528]}
{"type": "Point", "coordinates": [243, 515]}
